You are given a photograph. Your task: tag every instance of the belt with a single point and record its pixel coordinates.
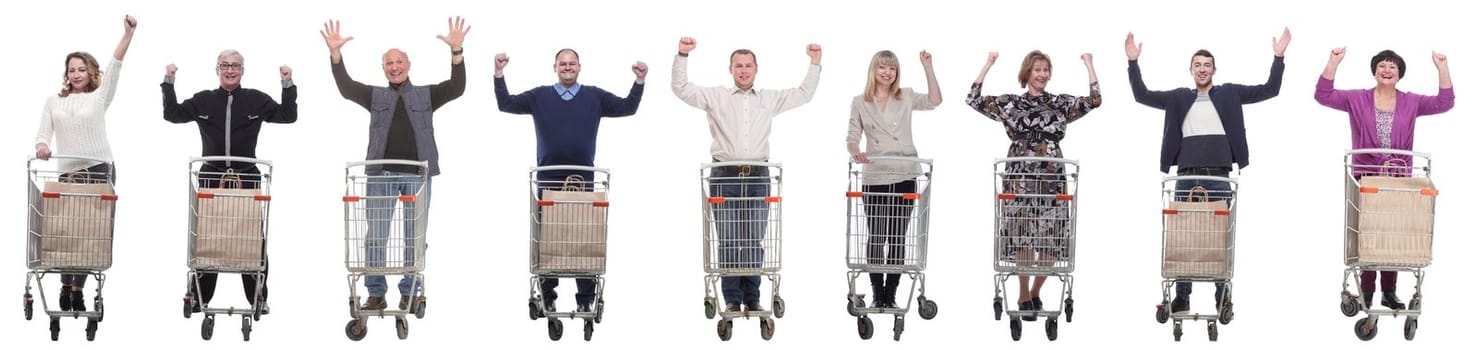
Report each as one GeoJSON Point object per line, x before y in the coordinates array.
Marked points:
{"type": "Point", "coordinates": [1212, 170]}
{"type": "Point", "coordinates": [743, 170]}
{"type": "Point", "coordinates": [1036, 136]}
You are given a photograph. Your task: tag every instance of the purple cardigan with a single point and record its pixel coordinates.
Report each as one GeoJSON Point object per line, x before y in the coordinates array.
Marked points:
{"type": "Point", "coordinates": [1360, 104]}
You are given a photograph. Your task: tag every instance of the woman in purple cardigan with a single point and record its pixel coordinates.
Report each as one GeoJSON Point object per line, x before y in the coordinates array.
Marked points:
{"type": "Point", "coordinates": [1383, 117]}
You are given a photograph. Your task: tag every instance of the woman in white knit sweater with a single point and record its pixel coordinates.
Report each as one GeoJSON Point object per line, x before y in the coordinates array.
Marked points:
{"type": "Point", "coordinates": [74, 117]}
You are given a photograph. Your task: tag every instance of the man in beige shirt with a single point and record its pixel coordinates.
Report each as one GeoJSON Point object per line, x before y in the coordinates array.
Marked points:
{"type": "Point", "coordinates": [739, 119]}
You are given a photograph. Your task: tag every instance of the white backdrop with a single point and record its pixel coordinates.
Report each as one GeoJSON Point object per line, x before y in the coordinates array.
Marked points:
{"type": "Point", "coordinates": [1290, 220]}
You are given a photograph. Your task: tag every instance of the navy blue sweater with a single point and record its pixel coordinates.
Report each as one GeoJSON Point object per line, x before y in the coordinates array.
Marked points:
{"type": "Point", "coordinates": [566, 130]}
{"type": "Point", "coordinates": [1227, 98]}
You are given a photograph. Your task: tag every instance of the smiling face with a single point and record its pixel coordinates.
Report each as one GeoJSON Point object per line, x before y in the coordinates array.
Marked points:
{"type": "Point", "coordinates": [1203, 68]}
{"type": "Point", "coordinates": [1388, 68]}
{"type": "Point", "coordinates": [229, 67]}
{"type": "Point", "coordinates": [743, 67]}
{"type": "Point", "coordinates": [1036, 71]}
{"type": "Point", "coordinates": [81, 74]}
{"type": "Point", "coordinates": [567, 66]}
{"type": "Point", "coordinates": [397, 66]}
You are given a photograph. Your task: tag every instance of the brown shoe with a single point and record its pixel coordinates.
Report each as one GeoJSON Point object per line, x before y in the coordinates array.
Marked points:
{"type": "Point", "coordinates": [374, 304]}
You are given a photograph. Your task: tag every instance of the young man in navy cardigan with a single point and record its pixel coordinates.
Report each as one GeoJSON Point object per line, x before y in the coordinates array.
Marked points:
{"type": "Point", "coordinates": [1204, 133]}
{"type": "Point", "coordinates": [566, 120]}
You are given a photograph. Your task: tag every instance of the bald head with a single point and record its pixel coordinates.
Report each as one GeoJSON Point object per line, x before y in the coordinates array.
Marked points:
{"type": "Point", "coordinates": [397, 66]}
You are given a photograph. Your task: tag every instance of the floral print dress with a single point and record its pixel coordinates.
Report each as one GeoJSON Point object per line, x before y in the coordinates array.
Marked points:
{"type": "Point", "coordinates": [1035, 125]}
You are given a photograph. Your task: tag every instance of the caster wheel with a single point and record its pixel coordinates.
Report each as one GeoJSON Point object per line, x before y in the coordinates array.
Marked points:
{"type": "Point", "coordinates": [534, 311]}
{"type": "Point", "coordinates": [589, 329]}
{"type": "Point", "coordinates": [1347, 306]}
{"type": "Point", "coordinates": [725, 329]}
{"type": "Point", "coordinates": [356, 329]}
{"type": "Point", "coordinates": [1225, 314]}
{"type": "Point", "coordinates": [1051, 328]}
{"type": "Point", "coordinates": [556, 329]}
{"type": "Point", "coordinates": [420, 309]}
{"type": "Point", "coordinates": [897, 327]}
{"type": "Point", "coordinates": [1067, 309]}
{"type": "Point", "coordinates": [928, 309]}
{"type": "Point", "coordinates": [189, 310]}
{"type": "Point", "coordinates": [777, 306]}
{"type": "Point", "coordinates": [600, 309]}
{"type": "Point", "coordinates": [1015, 328]}
{"type": "Point", "coordinates": [207, 327]}
{"type": "Point", "coordinates": [1211, 331]}
{"type": "Point", "coordinates": [767, 328]}
{"type": "Point", "coordinates": [854, 303]}
{"type": "Point", "coordinates": [56, 328]}
{"type": "Point", "coordinates": [998, 307]}
{"type": "Point", "coordinates": [28, 307]}
{"type": "Point", "coordinates": [1365, 329]}
{"type": "Point", "coordinates": [709, 308]}
{"type": "Point", "coordinates": [1162, 314]}
{"type": "Point", "coordinates": [402, 328]}
{"type": "Point", "coordinates": [97, 304]}
{"type": "Point", "coordinates": [1178, 332]}
{"type": "Point", "coordinates": [92, 329]}
{"type": "Point", "coordinates": [864, 327]}
{"type": "Point", "coordinates": [1410, 328]}
{"type": "Point", "coordinates": [245, 328]}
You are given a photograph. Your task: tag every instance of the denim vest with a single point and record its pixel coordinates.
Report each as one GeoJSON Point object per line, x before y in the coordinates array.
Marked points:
{"type": "Point", "coordinates": [418, 107]}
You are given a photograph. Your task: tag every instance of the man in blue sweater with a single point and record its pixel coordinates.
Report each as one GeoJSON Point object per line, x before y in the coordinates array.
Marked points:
{"type": "Point", "coordinates": [566, 120]}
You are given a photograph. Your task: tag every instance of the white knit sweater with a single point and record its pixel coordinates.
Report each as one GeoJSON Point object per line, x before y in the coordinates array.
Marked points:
{"type": "Point", "coordinates": [78, 124]}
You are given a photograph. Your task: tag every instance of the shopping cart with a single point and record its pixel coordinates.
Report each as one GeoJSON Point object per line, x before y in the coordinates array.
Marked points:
{"type": "Point", "coordinates": [227, 233]}
{"type": "Point", "coordinates": [1389, 212]}
{"type": "Point", "coordinates": [567, 239]}
{"type": "Point", "coordinates": [888, 233]}
{"type": "Point", "coordinates": [741, 237]}
{"type": "Point", "coordinates": [1199, 245]}
{"type": "Point", "coordinates": [397, 247]}
{"type": "Point", "coordinates": [69, 231]}
{"type": "Point", "coordinates": [1036, 224]}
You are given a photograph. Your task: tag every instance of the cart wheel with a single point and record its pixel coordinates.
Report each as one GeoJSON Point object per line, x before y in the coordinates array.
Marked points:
{"type": "Point", "coordinates": [1067, 309]}
{"type": "Point", "coordinates": [189, 310]}
{"type": "Point", "coordinates": [1211, 331]}
{"type": "Point", "coordinates": [1416, 303]}
{"type": "Point", "coordinates": [853, 304]}
{"type": "Point", "coordinates": [92, 329]}
{"type": "Point", "coordinates": [777, 306]}
{"type": "Point", "coordinates": [997, 306]}
{"type": "Point", "coordinates": [767, 328]}
{"type": "Point", "coordinates": [1015, 328]}
{"type": "Point", "coordinates": [1225, 316]}
{"type": "Point", "coordinates": [246, 328]}
{"type": "Point", "coordinates": [420, 308]}
{"type": "Point", "coordinates": [534, 312]}
{"type": "Point", "coordinates": [207, 327]}
{"type": "Point", "coordinates": [1410, 328]}
{"type": "Point", "coordinates": [29, 307]}
{"type": "Point", "coordinates": [897, 327]}
{"type": "Point", "coordinates": [1365, 329]}
{"type": "Point", "coordinates": [402, 328]}
{"type": "Point", "coordinates": [56, 328]}
{"type": "Point", "coordinates": [928, 309]}
{"type": "Point", "coordinates": [556, 329]}
{"type": "Point", "coordinates": [97, 304]}
{"type": "Point", "coordinates": [1348, 307]}
{"type": "Point", "coordinates": [1177, 332]}
{"type": "Point", "coordinates": [589, 329]}
{"type": "Point", "coordinates": [864, 327]}
{"type": "Point", "coordinates": [356, 329]}
{"type": "Point", "coordinates": [725, 329]}
{"type": "Point", "coordinates": [709, 308]}
{"type": "Point", "coordinates": [1161, 313]}
{"type": "Point", "coordinates": [1051, 328]}
{"type": "Point", "coordinates": [600, 309]}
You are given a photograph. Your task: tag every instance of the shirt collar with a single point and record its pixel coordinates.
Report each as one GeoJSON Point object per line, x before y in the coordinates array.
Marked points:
{"type": "Point", "coordinates": [573, 89]}
{"type": "Point", "coordinates": [734, 90]}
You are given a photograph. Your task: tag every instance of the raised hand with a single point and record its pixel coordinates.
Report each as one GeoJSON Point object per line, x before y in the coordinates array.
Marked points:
{"type": "Point", "coordinates": [926, 57]}
{"type": "Point", "coordinates": [1087, 59]}
{"type": "Point", "coordinates": [286, 72]}
{"type": "Point", "coordinates": [814, 51]}
{"type": "Point", "coordinates": [1440, 60]}
{"type": "Point", "coordinates": [991, 60]}
{"type": "Point", "coordinates": [1281, 43]}
{"type": "Point", "coordinates": [640, 69]}
{"type": "Point", "coordinates": [1132, 49]}
{"type": "Point", "coordinates": [1336, 55]}
{"type": "Point", "coordinates": [499, 61]}
{"type": "Point", "coordinates": [169, 70]}
{"type": "Point", "coordinates": [129, 24]}
{"type": "Point", "coordinates": [331, 36]}
{"type": "Point", "coordinates": [686, 44]}
{"type": "Point", "coordinates": [456, 32]}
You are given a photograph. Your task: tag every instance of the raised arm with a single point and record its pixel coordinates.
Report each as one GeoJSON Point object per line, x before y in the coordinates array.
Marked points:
{"type": "Point", "coordinates": [1259, 93]}
{"type": "Point", "coordinates": [1080, 106]}
{"type": "Point", "coordinates": [128, 26]}
{"type": "Point", "coordinates": [797, 96]}
{"type": "Point", "coordinates": [1142, 94]}
{"type": "Point", "coordinates": [1445, 99]}
{"type": "Point", "coordinates": [348, 88]}
{"type": "Point", "coordinates": [615, 106]}
{"type": "Point", "coordinates": [1324, 91]}
{"type": "Point", "coordinates": [986, 105]}
{"type": "Point", "coordinates": [684, 89]}
{"type": "Point", "coordinates": [456, 33]}
{"type": "Point", "coordinates": [287, 111]}
{"type": "Point", "coordinates": [517, 104]}
{"type": "Point", "coordinates": [174, 111]}
{"type": "Point", "coordinates": [935, 97]}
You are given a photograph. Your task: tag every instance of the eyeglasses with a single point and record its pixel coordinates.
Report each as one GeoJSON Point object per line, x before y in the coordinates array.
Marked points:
{"type": "Point", "coordinates": [229, 66]}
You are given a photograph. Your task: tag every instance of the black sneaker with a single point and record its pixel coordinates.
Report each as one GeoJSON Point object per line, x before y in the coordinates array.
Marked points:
{"type": "Point", "coordinates": [79, 303]}
{"type": "Point", "coordinates": [735, 307]}
{"type": "Point", "coordinates": [65, 299]}
{"type": "Point", "coordinates": [1027, 306]}
{"type": "Point", "coordinates": [583, 308]}
{"type": "Point", "coordinates": [1180, 304]}
{"type": "Point", "coordinates": [753, 306]}
{"type": "Point", "coordinates": [1389, 299]}
{"type": "Point", "coordinates": [1368, 296]}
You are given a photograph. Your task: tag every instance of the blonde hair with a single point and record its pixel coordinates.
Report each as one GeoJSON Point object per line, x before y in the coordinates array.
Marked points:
{"type": "Point", "coordinates": [882, 58]}
{"type": "Point", "coordinates": [1026, 66]}
{"type": "Point", "coordinates": [94, 74]}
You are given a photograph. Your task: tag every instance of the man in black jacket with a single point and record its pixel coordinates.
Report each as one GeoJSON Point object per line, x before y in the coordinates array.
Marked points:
{"type": "Point", "coordinates": [230, 118]}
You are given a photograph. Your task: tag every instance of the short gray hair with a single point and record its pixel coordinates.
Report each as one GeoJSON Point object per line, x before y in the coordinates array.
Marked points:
{"type": "Point", "coordinates": [230, 52]}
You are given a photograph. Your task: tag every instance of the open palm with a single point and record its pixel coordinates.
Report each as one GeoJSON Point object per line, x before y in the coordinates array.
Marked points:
{"type": "Point", "coordinates": [456, 32]}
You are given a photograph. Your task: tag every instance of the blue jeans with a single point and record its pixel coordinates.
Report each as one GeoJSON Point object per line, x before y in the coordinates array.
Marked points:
{"type": "Point", "coordinates": [555, 180]}
{"type": "Point", "coordinates": [1215, 190]}
{"type": "Point", "coordinates": [741, 227]}
{"type": "Point", "coordinates": [389, 185]}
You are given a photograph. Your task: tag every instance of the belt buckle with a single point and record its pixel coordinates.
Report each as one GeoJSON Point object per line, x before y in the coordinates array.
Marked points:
{"type": "Point", "coordinates": [744, 170]}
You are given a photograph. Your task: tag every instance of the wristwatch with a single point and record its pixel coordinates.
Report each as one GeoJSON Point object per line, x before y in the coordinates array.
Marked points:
{"type": "Point", "coordinates": [456, 52]}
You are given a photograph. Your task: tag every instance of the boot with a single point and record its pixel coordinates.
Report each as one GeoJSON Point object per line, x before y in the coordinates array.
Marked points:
{"type": "Point", "coordinates": [1388, 299]}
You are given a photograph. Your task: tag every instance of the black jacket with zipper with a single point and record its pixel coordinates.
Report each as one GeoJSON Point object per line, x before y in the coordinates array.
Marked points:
{"type": "Point", "coordinates": [229, 121]}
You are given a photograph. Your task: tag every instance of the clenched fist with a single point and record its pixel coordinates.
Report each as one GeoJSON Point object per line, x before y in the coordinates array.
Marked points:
{"type": "Point", "coordinates": [686, 44]}
{"type": "Point", "coordinates": [640, 68]}
{"type": "Point", "coordinates": [169, 70]}
{"type": "Point", "coordinates": [287, 72]}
